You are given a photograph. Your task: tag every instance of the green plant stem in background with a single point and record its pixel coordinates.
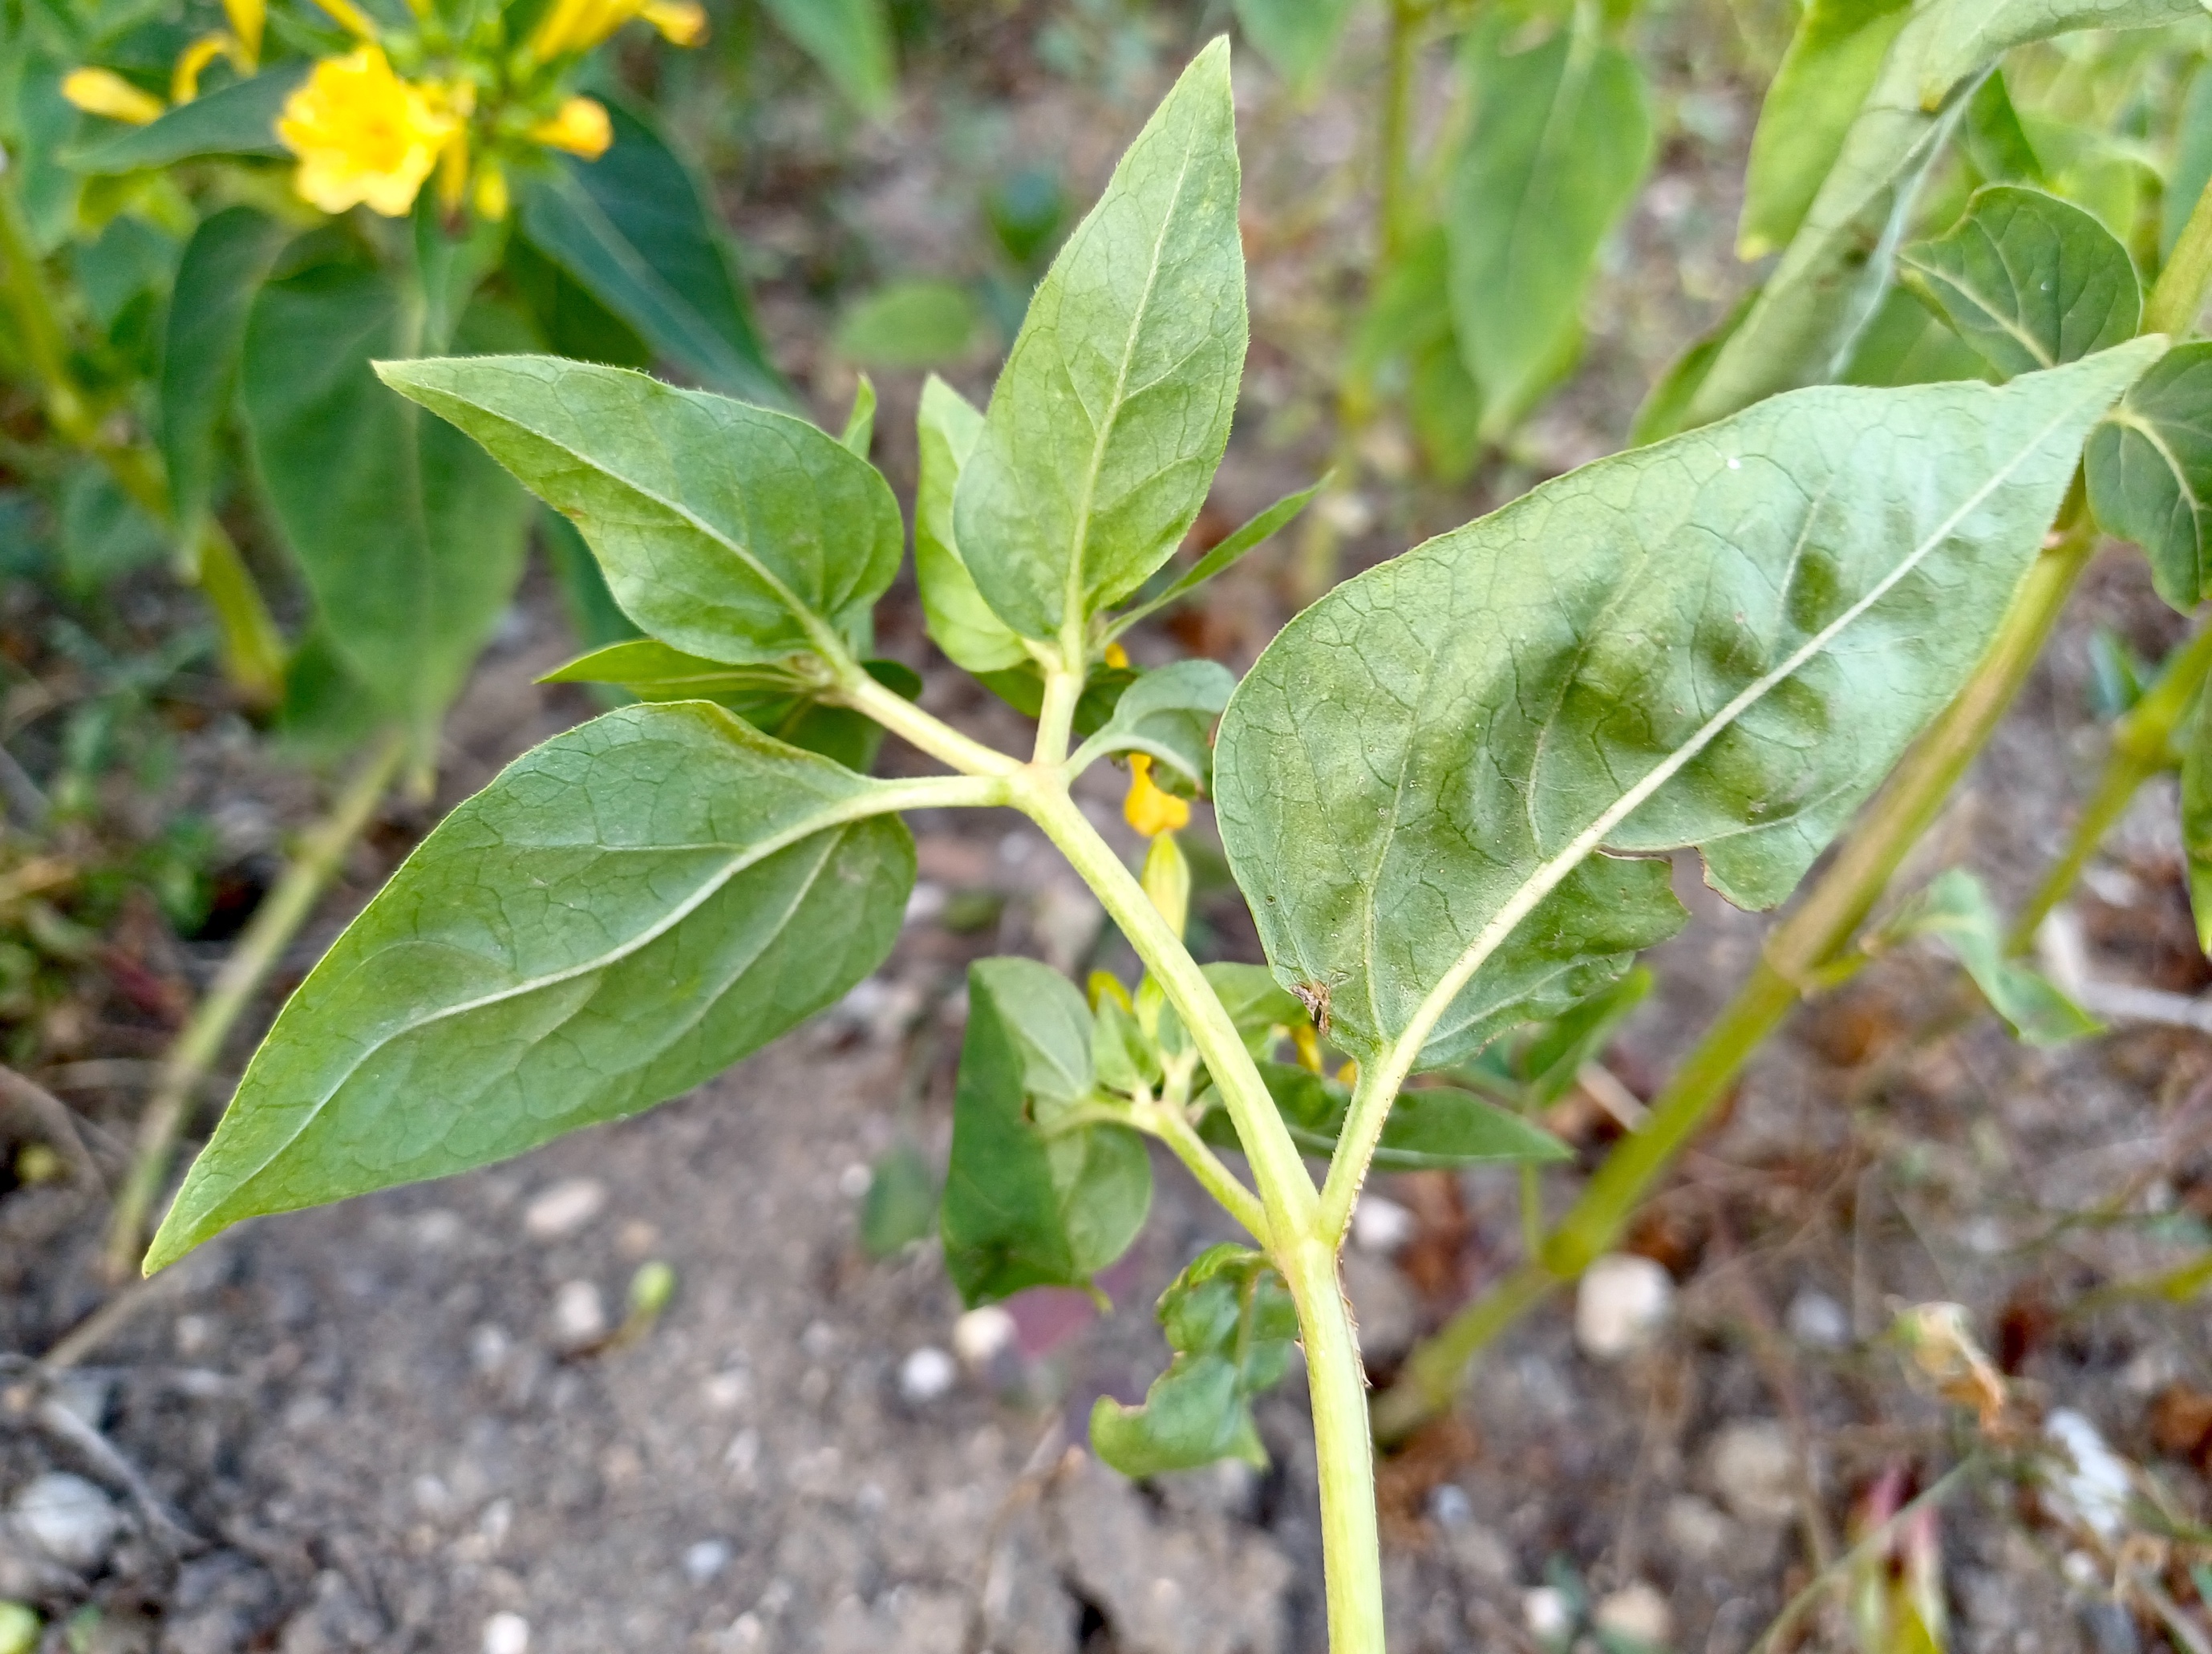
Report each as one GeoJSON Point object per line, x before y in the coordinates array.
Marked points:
{"type": "Point", "coordinates": [1394, 212]}
{"type": "Point", "coordinates": [253, 648]}
{"type": "Point", "coordinates": [263, 942]}
{"type": "Point", "coordinates": [2141, 747]}
{"type": "Point", "coordinates": [2179, 294]}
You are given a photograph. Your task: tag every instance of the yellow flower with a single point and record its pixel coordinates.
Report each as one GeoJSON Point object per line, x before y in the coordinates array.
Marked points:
{"type": "Point", "coordinates": [246, 17]}
{"type": "Point", "coordinates": [1166, 879]}
{"type": "Point", "coordinates": [581, 126]}
{"type": "Point", "coordinates": [363, 135]}
{"type": "Point", "coordinates": [491, 190]}
{"type": "Point", "coordinates": [350, 17]}
{"type": "Point", "coordinates": [1149, 810]}
{"type": "Point", "coordinates": [184, 78]}
{"type": "Point", "coordinates": [103, 92]}
{"type": "Point", "coordinates": [573, 25]}
{"type": "Point", "coordinates": [681, 22]}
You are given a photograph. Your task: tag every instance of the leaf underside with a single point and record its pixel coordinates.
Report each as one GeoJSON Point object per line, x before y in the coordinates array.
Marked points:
{"type": "Point", "coordinates": [2149, 470]}
{"type": "Point", "coordinates": [1113, 411]}
{"type": "Point", "coordinates": [625, 911]}
{"type": "Point", "coordinates": [1723, 641]}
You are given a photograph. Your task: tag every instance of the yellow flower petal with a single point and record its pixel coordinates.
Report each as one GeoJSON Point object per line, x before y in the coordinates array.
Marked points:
{"type": "Point", "coordinates": [103, 92]}
{"type": "Point", "coordinates": [1115, 655]}
{"type": "Point", "coordinates": [184, 78]}
{"type": "Point", "coordinates": [491, 191]}
{"type": "Point", "coordinates": [364, 136]}
{"type": "Point", "coordinates": [350, 17]}
{"type": "Point", "coordinates": [453, 172]}
{"type": "Point", "coordinates": [681, 22]}
{"type": "Point", "coordinates": [1147, 809]}
{"type": "Point", "coordinates": [579, 126]}
{"type": "Point", "coordinates": [575, 26]}
{"type": "Point", "coordinates": [246, 17]}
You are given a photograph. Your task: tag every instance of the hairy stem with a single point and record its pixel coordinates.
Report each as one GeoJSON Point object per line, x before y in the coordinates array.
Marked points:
{"type": "Point", "coordinates": [263, 942]}
{"type": "Point", "coordinates": [1301, 1249]}
{"type": "Point", "coordinates": [918, 729]}
{"type": "Point", "coordinates": [2141, 746]}
{"type": "Point", "coordinates": [1821, 927]}
{"type": "Point", "coordinates": [1172, 1126]}
{"type": "Point", "coordinates": [1063, 688]}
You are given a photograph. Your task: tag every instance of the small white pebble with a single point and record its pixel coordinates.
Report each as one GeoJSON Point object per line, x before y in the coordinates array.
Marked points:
{"type": "Point", "coordinates": [564, 1208]}
{"type": "Point", "coordinates": [1817, 1321]}
{"type": "Point", "coordinates": [703, 1560]}
{"type": "Point", "coordinates": [853, 1181]}
{"type": "Point", "coordinates": [1547, 1613]}
{"type": "Point", "coordinates": [729, 1390]}
{"type": "Point", "coordinates": [68, 1518]}
{"type": "Point", "coordinates": [507, 1633]}
{"type": "Point", "coordinates": [488, 1347]}
{"type": "Point", "coordinates": [1379, 1225]}
{"type": "Point", "coordinates": [745, 1631]}
{"type": "Point", "coordinates": [580, 1313]}
{"type": "Point", "coordinates": [926, 1374]}
{"type": "Point", "coordinates": [1451, 1507]}
{"type": "Point", "coordinates": [1637, 1612]}
{"type": "Point", "coordinates": [1620, 1306]}
{"type": "Point", "coordinates": [981, 1336]}
{"type": "Point", "coordinates": [924, 902]}
{"type": "Point", "coordinates": [2094, 1487]}
{"type": "Point", "coordinates": [1754, 1469]}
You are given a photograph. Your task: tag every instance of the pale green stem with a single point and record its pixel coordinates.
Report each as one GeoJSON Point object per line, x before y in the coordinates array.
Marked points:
{"type": "Point", "coordinates": [1063, 688]}
{"type": "Point", "coordinates": [1172, 1126]}
{"type": "Point", "coordinates": [2179, 293]}
{"type": "Point", "coordinates": [2141, 747]}
{"type": "Point", "coordinates": [263, 942]}
{"type": "Point", "coordinates": [1336, 1383]}
{"type": "Point", "coordinates": [919, 729]}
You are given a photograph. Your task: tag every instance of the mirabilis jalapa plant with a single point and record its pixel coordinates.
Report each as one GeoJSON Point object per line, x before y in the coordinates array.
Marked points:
{"type": "Point", "coordinates": [1446, 789]}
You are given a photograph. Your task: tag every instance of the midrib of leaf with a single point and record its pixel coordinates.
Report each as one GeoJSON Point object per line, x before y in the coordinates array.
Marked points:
{"type": "Point", "coordinates": [2127, 419]}
{"type": "Point", "coordinates": [826, 639]}
{"type": "Point", "coordinates": [1406, 1047]}
{"type": "Point", "coordinates": [1072, 606]}
{"type": "Point", "coordinates": [1989, 307]}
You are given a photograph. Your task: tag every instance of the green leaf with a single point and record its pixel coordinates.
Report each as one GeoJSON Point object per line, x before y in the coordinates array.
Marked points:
{"type": "Point", "coordinates": [1439, 786]}
{"type": "Point", "coordinates": [1250, 536]}
{"type": "Point", "coordinates": [1113, 410]}
{"type": "Point", "coordinates": [1034, 1198]}
{"type": "Point", "coordinates": [919, 324]}
{"type": "Point", "coordinates": [728, 531]}
{"type": "Point", "coordinates": [860, 432]}
{"type": "Point", "coordinates": [1170, 714]}
{"type": "Point", "coordinates": [1955, 910]}
{"type": "Point", "coordinates": [2192, 162]}
{"type": "Point", "coordinates": [849, 39]}
{"type": "Point", "coordinates": [965, 627]}
{"type": "Point", "coordinates": [1831, 279]}
{"type": "Point", "coordinates": [1431, 1128]}
{"type": "Point", "coordinates": [1297, 37]}
{"type": "Point", "coordinates": [1907, 343]}
{"type": "Point", "coordinates": [2196, 820]}
{"type": "Point", "coordinates": [771, 698]}
{"type": "Point", "coordinates": [1666, 404]}
{"type": "Point", "coordinates": [1997, 142]}
{"type": "Point", "coordinates": [1830, 65]}
{"type": "Point", "coordinates": [624, 912]}
{"type": "Point", "coordinates": [239, 119]}
{"type": "Point", "coordinates": [1257, 1005]}
{"type": "Point", "coordinates": [222, 268]}
{"type": "Point", "coordinates": [1554, 1059]}
{"type": "Point", "coordinates": [410, 539]}
{"type": "Point", "coordinates": [1229, 1320]}
{"type": "Point", "coordinates": [2149, 469]}
{"type": "Point", "coordinates": [633, 229]}
{"type": "Point", "coordinates": [1561, 138]}
{"type": "Point", "coordinates": [2029, 280]}
{"type": "Point", "coordinates": [901, 1206]}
